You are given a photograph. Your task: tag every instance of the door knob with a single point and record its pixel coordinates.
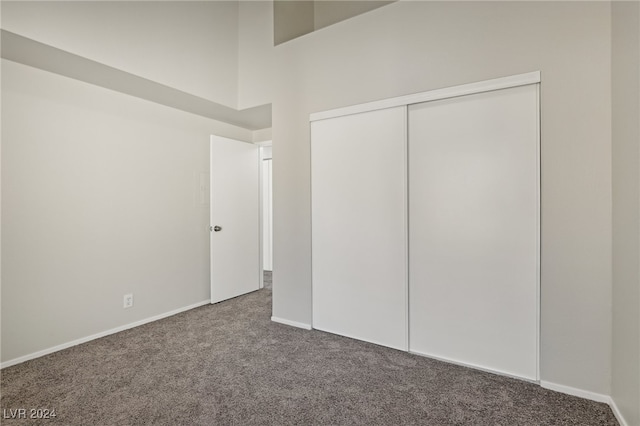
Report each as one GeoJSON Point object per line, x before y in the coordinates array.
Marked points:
{"type": "Point", "coordinates": [217, 228]}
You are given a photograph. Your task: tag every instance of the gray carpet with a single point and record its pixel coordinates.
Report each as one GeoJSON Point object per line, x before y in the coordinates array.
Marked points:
{"type": "Point", "coordinates": [228, 364]}
{"type": "Point", "coordinates": [268, 279]}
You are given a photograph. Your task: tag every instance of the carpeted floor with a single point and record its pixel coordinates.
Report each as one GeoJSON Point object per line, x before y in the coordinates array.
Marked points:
{"type": "Point", "coordinates": [268, 279]}
{"type": "Point", "coordinates": [228, 364]}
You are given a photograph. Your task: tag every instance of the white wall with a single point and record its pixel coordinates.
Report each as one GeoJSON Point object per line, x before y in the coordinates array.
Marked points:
{"type": "Point", "coordinates": [99, 199]}
{"type": "Point", "coordinates": [255, 53]}
{"type": "Point", "coordinates": [262, 135]}
{"type": "Point", "coordinates": [190, 46]}
{"type": "Point", "coordinates": [409, 47]}
{"type": "Point", "coordinates": [626, 209]}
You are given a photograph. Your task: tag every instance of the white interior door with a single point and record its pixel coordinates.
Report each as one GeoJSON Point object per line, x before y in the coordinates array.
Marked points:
{"type": "Point", "coordinates": [474, 230]}
{"type": "Point", "coordinates": [235, 218]}
{"type": "Point", "coordinates": [358, 179]}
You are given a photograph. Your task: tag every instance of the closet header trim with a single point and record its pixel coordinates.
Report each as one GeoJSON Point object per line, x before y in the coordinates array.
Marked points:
{"type": "Point", "coordinates": [432, 95]}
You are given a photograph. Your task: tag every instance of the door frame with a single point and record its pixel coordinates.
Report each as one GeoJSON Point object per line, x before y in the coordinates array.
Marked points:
{"type": "Point", "coordinates": [262, 145]}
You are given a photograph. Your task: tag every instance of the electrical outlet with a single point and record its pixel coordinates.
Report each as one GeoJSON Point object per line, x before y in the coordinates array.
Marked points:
{"type": "Point", "coordinates": [128, 300]}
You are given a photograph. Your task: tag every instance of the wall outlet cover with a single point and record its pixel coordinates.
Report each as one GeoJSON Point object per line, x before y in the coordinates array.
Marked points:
{"type": "Point", "coordinates": [128, 301]}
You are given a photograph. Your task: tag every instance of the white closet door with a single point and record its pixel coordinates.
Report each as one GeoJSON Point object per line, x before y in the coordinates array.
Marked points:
{"type": "Point", "coordinates": [474, 230]}
{"type": "Point", "coordinates": [359, 226]}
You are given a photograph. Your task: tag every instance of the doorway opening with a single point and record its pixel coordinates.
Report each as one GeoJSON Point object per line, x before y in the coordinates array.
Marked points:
{"type": "Point", "coordinates": [267, 214]}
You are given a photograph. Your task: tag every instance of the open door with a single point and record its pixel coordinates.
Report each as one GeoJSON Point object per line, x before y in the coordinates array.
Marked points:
{"type": "Point", "coordinates": [235, 218]}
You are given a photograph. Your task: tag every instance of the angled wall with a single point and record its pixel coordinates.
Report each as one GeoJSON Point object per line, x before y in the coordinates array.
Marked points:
{"type": "Point", "coordinates": [295, 18]}
{"type": "Point", "coordinates": [190, 46]}
{"type": "Point", "coordinates": [329, 12]}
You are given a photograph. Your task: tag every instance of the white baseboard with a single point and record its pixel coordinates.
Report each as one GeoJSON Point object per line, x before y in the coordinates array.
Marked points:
{"type": "Point", "coordinates": [99, 335]}
{"type": "Point", "coordinates": [475, 367]}
{"type": "Point", "coordinates": [617, 413]}
{"type": "Point", "coordinates": [291, 323]}
{"type": "Point", "coordinates": [598, 397]}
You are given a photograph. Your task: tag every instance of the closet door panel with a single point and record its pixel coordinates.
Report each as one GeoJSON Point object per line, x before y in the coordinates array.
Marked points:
{"type": "Point", "coordinates": [359, 238]}
{"type": "Point", "coordinates": [474, 230]}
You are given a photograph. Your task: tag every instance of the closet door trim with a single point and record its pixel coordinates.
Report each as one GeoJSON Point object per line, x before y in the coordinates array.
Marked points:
{"type": "Point", "coordinates": [433, 95]}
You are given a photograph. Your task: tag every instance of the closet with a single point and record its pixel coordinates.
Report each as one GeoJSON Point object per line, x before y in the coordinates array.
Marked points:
{"type": "Point", "coordinates": [425, 223]}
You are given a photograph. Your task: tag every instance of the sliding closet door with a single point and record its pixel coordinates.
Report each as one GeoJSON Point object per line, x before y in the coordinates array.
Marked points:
{"type": "Point", "coordinates": [474, 230]}
{"type": "Point", "coordinates": [358, 175]}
